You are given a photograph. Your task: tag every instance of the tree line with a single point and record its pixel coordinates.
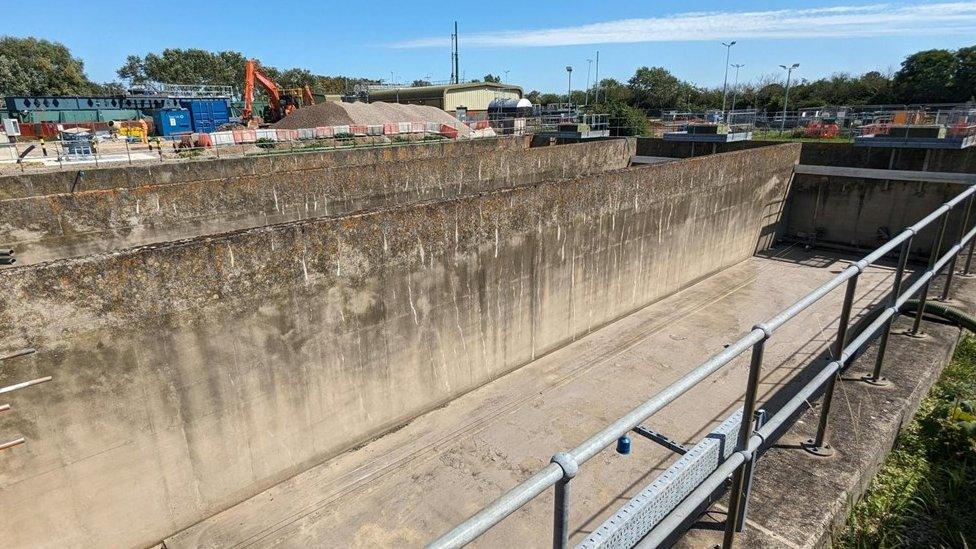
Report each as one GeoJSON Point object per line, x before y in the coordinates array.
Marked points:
{"type": "Point", "coordinates": [930, 76]}
{"type": "Point", "coordinates": [31, 66]}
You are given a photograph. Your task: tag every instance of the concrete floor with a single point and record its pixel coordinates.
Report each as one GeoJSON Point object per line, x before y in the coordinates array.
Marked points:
{"type": "Point", "coordinates": [417, 482]}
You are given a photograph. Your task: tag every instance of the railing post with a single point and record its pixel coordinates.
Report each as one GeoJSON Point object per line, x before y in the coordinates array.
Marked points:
{"type": "Point", "coordinates": [740, 519]}
{"type": "Point", "coordinates": [963, 224]}
{"type": "Point", "coordinates": [736, 497]}
{"type": "Point", "coordinates": [561, 504]}
{"type": "Point", "coordinates": [933, 257]}
{"type": "Point", "coordinates": [818, 445]}
{"type": "Point", "coordinates": [969, 258]}
{"type": "Point", "coordinates": [875, 378]}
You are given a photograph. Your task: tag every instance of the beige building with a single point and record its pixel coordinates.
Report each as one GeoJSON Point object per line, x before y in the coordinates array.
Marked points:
{"type": "Point", "coordinates": [474, 95]}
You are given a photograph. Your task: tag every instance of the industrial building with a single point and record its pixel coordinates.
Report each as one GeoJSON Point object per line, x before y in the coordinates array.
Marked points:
{"type": "Point", "coordinates": [473, 96]}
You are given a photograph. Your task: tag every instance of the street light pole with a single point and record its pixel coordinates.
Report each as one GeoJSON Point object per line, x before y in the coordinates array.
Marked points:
{"type": "Point", "coordinates": [589, 64]}
{"type": "Point", "coordinates": [725, 85]}
{"type": "Point", "coordinates": [569, 91]}
{"type": "Point", "coordinates": [786, 98]}
{"type": "Point", "coordinates": [735, 86]}
{"type": "Point", "coordinates": [597, 92]}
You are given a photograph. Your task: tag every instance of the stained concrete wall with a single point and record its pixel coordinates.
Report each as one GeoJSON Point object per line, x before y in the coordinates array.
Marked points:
{"type": "Point", "coordinates": [864, 213]}
{"type": "Point", "coordinates": [191, 375]}
{"type": "Point", "coordinates": [184, 171]}
{"type": "Point", "coordinates": [652, 146]}
{"type": "Point", "coordinates": [48, 227]}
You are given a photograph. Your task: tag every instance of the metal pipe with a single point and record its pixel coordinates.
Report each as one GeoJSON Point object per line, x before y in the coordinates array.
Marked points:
{"type": "Point", "coordinates": [504, 505]}
{"type": "Point", "coordinates": [21, 385]}
{"type": "Point", "coordinates": [560, 514]}
{"type": "Point", "coordinates": [16, 354]}
{"type": "Point", "coordinates": [11, 443]}
{"type": "Point", "coordinates": [660, 533]}
{"type": "Point", "coordinates": [952, 264]}
{"type": "Point", "coordinates": [749, 467]}
{"type": "Point", "coordinates": [745, 432]}
{"type": "Point", "coordinates": [818, 445]}
{"type": "Point", "coordinates": [609, 435]}
{"type": "Point", "coordinates": [875, 377]}
{"type": "Point", "coordinates": [933, 255]}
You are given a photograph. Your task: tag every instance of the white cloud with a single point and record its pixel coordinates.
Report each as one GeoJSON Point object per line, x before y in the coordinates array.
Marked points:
{"type": "Point", "coordinates": [833, 22]}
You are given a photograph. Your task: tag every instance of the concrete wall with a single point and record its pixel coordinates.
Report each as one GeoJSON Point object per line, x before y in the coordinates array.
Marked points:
{"type": "Point", "coordinates": [652, 146]}
{"type": "Point", "coordinates": [55, 226]}
{"type": "Point", "coordinates": [40, 184]}
{"type": "Point", "coordinates": [863, 213]}
{"type": "Point", "coordinates": [191, 375]}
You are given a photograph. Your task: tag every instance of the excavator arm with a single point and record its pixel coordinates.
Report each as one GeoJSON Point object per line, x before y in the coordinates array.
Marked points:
{"type": "Point", "coordinates": [251, 75]}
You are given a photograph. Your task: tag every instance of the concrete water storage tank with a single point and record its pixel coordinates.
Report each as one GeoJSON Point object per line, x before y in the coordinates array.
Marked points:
{"type": "Point", "coordinates": [173, 122]}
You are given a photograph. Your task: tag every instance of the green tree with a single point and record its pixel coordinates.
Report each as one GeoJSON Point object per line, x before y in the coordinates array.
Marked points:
{"type": "Point", "coordinates": [655, 88]}
{"type": "Point", "coordinates": [419, 83]}
{"type": "Point", "coordinates": [613, 91]}
{"type": "Point", "coordinates": [492, 78]}
{"type": "Point", "coordinates": [625, 120]}
{"type": "Point", "coordinates": [547, 98]}
{"type": "Point", "coordinates": [29, 66]}
{"type": "Point", "coordinates": [964, 80]}
{"type": "Point", "coordinates": [185, 66]}
{"type": "Point", "coordinates": [926, 77]}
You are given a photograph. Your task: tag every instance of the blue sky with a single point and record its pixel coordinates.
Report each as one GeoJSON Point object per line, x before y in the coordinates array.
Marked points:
{"type": "Point", "coordinates": [534, 41]}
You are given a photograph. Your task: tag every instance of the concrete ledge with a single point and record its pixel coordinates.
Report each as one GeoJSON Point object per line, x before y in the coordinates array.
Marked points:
{"type": "Point", "coordinates": [799, 500]}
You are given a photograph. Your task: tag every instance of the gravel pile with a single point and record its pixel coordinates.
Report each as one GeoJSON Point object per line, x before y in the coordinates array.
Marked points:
{"type": "Point", "coordinates": [332, 113]}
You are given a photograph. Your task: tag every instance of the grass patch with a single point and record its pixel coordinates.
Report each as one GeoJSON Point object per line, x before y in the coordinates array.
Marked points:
{"type": "Point", "coordinates": [925, 493]}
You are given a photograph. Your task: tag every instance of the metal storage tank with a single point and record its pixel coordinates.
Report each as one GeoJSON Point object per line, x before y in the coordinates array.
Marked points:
{"type": "Point", "coordinates": [173, 122]}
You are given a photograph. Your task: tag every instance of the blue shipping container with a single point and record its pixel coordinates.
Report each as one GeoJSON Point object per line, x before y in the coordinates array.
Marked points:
{"type": "Point", "coordinates": [173, 121]}
{"type": "Point", "coordinates": [207, 114]}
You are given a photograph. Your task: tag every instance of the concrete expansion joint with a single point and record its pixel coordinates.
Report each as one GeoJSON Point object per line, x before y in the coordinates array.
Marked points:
{"type": "Point", "coordinates": [767, 332]}
{"type": "Point", "coordinates": [568, 464]}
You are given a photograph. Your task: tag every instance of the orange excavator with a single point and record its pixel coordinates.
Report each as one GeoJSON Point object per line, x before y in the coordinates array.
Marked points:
{"type": "Point", "coordinates": [281, 102]}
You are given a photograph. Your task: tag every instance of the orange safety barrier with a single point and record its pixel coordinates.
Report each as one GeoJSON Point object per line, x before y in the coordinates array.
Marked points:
{"type": "Point", "coordinates": [323, 132]}
{"type": "Point", "coordinates": [287, 135]}
{"type": "Point", "coordinates": [357, 129]}
{"type": "Point", "coordinates": [448, 131]}
{"type": "Point", "coordinates": [203, 140]}
{"type": "Point", "coordinates": [391, 129]}
{"type": "Point", "coordinates": [245, 136]}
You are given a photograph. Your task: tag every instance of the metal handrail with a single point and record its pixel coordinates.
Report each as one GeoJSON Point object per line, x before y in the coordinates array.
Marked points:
{"type": "Point", "coordinates": [564, 466]}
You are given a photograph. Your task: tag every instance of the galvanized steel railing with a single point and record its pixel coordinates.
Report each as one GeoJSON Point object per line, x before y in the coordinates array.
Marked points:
{"type": "Point", "coordinates": [564, 465]}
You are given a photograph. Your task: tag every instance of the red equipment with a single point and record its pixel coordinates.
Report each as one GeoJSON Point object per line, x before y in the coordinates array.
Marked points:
{"type": "Point", "coordinates": [281, 103]}
{"type": "Point", "coordinates": [821, 129]}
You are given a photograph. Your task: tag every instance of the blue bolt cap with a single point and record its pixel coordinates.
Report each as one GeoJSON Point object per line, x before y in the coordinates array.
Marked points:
{"type": "Point", "coordinates": [623, 445]}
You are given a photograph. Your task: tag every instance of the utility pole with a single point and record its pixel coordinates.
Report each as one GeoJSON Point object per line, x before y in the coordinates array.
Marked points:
{"type": "Point", "coordinates": [455, 62]}
{"type": "Point", "coordinates": [589, 64]}
{"type": "Point", "coordinates": [597, 100]}
{"type": "Point", "coordinates": [725, 86]}
{"type": "Point", "coordinates": [735, 87]}
{"type": "Point", "coordinates": [786, 99]}
{"type": "Point", "coordinates": [506, 75]}
{"type": "Point", "coordinates": [569, 91]}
